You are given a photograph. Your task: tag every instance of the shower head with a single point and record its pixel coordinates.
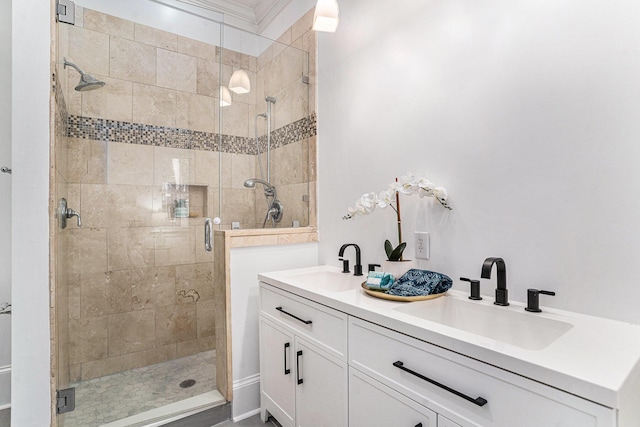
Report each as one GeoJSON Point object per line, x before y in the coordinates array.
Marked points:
{"type": "Point", "coordinates": [87, 81]}
{"type": "Point", "coordinates": [251, 183]}
{"type": "Point", "coordinates": [270, 99]}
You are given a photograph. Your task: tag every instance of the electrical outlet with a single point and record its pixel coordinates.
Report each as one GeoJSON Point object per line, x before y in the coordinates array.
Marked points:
{"type": "Point", "coordinates": [422, 245]}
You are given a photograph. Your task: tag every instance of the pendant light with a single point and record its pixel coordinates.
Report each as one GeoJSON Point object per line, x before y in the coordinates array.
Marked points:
{"type": "Point", "coordinates": [240, 82]}
{"type": "Point", "coordinates": [225, 96]}
{"type": "Point", "coordinates": [326, 16]}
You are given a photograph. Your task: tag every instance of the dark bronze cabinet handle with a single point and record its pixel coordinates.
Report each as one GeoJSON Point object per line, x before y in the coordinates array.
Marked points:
{"type": "Point", "coordinates": [306, 322]}
{"type": "Point", "coordinates": [298, 354]}
{"type": "Point", "coordinates": [287, 371]}
{"type": "Point", "coordinates": [480, 401]}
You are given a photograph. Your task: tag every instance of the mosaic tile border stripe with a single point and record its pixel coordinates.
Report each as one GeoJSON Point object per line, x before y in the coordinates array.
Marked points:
{"type": "Point", "coordinates": [160, 136]}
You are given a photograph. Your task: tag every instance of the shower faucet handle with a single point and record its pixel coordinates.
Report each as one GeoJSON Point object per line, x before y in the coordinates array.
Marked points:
{"type": "Point", "coordinates": [65, 213]}
{"type": "Point", "coordinates": [71, 213]}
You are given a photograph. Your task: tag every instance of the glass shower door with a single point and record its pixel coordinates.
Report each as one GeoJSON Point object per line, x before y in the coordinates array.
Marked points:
{"type": "Point", "coordinates": [137, 159]}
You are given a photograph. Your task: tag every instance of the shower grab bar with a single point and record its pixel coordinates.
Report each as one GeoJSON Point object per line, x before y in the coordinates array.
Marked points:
{"type": "Point", "coordinates": [208, 235]}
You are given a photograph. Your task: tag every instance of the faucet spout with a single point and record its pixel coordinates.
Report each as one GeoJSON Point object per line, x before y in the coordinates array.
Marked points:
{"type": "Point", "coordinates": [502, 294]}
{"type": "Point", "coordinates": [357, 269]}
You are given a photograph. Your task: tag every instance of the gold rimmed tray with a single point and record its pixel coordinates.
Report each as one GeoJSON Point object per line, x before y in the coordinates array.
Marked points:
{"type": "Point", "coordinates": [384, 295]}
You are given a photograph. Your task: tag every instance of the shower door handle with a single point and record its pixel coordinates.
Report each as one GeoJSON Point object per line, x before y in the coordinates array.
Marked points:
{"type": "Point", "coordinates": [208, 235]}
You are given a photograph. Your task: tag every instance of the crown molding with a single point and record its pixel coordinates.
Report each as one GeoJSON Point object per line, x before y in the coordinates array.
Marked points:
{"type": "Point", "coordinates": [257, 19]}
{"type": "Point", "coordinates": [230, 8]}
{"type": "Point", "coordinates": [269, 15]}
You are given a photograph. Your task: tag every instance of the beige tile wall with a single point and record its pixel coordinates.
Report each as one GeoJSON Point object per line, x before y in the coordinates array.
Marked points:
{"type": "Point", "coordinates": [123, 269]}
{"type": "Point", "coordinates": [126, 265]}
{"type": "Point", "coordinates": [121, 273]}
{"type": "Point", "coordinates": [293, 170]}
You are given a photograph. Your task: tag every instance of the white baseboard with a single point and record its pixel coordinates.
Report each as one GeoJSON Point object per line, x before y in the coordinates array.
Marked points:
{"type": "Point", "coordinates": [246, 398]}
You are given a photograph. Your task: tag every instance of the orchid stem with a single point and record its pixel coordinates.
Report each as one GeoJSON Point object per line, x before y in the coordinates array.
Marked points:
{"type": "Point", "coordinates": [399, 220]}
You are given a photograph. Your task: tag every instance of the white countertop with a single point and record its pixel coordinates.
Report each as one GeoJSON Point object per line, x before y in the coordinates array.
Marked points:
{"type": "Point", "coordinates": [597, 359]}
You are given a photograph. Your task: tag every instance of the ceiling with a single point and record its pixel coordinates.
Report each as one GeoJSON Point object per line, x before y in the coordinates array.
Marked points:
{"type": "Point", "coordinates": [257, 13]}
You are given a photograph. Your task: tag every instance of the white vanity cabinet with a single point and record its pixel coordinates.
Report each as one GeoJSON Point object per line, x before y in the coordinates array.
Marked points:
{"type": "Point", "coordinates": [404, 368]}
{"type": "Point", "coordinates": [303, 350]}
{"type": "Point", "coordinates": [462, 390]}
{"type": "Point", "coordinates": [445, 422]}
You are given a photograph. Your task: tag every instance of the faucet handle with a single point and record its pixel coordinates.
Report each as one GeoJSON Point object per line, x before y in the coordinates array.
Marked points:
{"type": "Point", "coordinates": [533, 299]}
{"type": "Point", "coordinates": [345, 265]}
{"type": "Point", "coordinates": [475, 288]}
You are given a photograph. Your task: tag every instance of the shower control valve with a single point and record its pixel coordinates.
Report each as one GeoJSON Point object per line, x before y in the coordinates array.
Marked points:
{"type": "Point", "coordinates": [65, 213]}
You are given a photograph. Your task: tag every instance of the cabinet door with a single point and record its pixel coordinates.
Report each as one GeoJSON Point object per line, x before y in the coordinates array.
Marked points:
{"type": "Point", "coordinates": [277, 372]}
{"type": "Point", "coordinates": [321, 388]}
{"type": "Point", "coordinates": [372, 404]}
{"type": "Point", "coordinates": [445, 422]}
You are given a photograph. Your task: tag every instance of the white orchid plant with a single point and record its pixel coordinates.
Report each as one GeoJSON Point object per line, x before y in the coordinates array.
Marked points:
{"type": "Point", "coordinates": [407, 184]}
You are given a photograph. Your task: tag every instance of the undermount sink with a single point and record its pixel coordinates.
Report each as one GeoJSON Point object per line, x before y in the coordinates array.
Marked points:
{"type": "Point", "coordinates": [331, 281]}
{"type": "Point", "coordinates": [521, 329]}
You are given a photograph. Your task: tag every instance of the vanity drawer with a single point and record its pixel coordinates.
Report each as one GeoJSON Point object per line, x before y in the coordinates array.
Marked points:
{"type": "Point", "coordinates": [321, 325]}
{"type": "Point", "coordinates": [466, 391]}
{"type": "Point", "coordinates": [374, 404]}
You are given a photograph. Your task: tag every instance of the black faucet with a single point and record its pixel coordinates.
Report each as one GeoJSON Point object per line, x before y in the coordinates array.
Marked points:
{"type": "Point", "coordinates": [533, 299]}
{"type": "Point", "coordinates": [357, 269]}
{"type": "Point", "coordinates": [475, 288]}
{"type": "Point", "coordinates": [502, 294]}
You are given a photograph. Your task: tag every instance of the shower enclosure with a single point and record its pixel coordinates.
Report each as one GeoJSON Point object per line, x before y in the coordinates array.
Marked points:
{"type": "Point", "coordinates": [274, 124]}
{"type": "Point", "coordinates": [143, 160]}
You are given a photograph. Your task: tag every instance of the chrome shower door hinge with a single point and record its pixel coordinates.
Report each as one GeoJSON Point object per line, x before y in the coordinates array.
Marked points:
{"type": "Point", "coordinates": [65, 400]}
{"type": "Point", "coordinates": [66, 11]}
{"type": "Point", "coordinates": [5, 308]}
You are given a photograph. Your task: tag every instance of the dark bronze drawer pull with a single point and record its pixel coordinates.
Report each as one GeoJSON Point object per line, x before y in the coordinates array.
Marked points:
{"type": "Point", "coordinates": [287, 371]}
{"type": "Point", "coordinates": [480, 401]}
{"type": "Point", "coordinates": [306, 322]}
{"type": "Point", "coordinates": [298, 354]}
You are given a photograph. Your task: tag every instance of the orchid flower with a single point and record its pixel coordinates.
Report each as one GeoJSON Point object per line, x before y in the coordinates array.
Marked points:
{"type": "Point", "coordinates": [386, 198]}
{"type": "Point", "coordinates": [407, 184]}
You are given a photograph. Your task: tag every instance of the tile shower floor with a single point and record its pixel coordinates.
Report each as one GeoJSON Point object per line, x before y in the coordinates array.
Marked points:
{"type": "Point", "coordinates": [113, 397]}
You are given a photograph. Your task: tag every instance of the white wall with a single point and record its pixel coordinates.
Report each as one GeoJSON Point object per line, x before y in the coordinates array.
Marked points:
{"type": "Point", "coordinates": [246, 263]}
{"type": "Point", "coordinates": [5, 193]}
{"type": "Point", "coordinates": [527, 112]}
{"type": "Point", "coordinates": [31, 398]}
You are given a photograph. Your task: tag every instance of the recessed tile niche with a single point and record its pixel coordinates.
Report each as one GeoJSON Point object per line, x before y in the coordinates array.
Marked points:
{"type": "Point", "coordinates": [185, 201]}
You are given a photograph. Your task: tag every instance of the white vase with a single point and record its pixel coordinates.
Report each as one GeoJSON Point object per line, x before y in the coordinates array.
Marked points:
{"type": "Point", "coordinates": [398, 268]}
